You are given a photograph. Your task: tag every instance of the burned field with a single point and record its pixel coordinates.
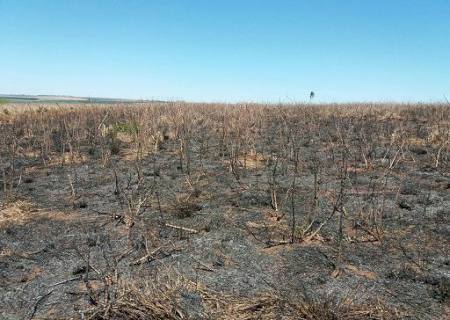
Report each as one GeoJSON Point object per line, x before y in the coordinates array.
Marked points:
{"type": "Point", "coordinates": [195, 211]}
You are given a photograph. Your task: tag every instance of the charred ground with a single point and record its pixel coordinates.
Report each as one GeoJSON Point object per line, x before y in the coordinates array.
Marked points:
{"type": "Point", "coordinates": [175, 210]}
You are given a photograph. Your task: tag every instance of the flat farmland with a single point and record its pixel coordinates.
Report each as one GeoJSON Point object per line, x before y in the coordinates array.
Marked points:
{"type": "Point", "coordinates": [224, 211]}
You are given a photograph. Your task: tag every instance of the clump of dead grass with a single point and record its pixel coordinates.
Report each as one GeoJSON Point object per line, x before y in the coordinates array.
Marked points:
{"type": "Point", "coordinates": [345, 309]}
{"type": "Point", "coordinates": [17, 212]}
{"type": "Point", "coordinates": [184, 207]}
{"type": "Point", "coordinates": [270, 305]}
{"type": "Point", "coordinates": [134, 303]}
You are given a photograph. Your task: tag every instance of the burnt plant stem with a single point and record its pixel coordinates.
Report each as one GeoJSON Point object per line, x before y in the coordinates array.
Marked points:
{"type": "Point", "coordinates": [293, 210]}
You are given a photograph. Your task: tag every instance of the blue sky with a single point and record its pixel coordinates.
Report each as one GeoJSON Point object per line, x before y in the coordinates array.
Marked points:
{"type": "Point", "coordinates": [228, 50]}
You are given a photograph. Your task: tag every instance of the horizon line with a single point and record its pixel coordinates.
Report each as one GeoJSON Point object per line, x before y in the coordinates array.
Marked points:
{"type": "Point", "coordinates": [444, 100]}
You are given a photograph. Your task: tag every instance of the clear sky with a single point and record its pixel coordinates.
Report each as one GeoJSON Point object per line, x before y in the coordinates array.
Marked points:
{"type": "Point", "coordinates": [228, 50]}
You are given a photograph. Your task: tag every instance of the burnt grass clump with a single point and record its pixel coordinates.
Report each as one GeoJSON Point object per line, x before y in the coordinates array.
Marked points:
{"type": "Point", "coordinates": [215, 211]}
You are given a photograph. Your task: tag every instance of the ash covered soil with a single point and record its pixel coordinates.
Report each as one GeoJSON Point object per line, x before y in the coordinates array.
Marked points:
{"type": "Point", "coordinates": [185, 211]}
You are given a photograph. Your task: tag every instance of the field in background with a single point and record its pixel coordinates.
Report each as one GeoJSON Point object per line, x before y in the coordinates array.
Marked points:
{"type": "Point", "coordinates": [191, 211]}
{"type": "Point", "coordinates": [52, 99]}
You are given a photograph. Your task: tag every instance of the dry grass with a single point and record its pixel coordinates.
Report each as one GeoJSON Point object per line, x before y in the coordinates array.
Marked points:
{"type": "Point", "coordinates": [133, 303]}
{"type": "Point", "coordinates": [156, 304]}
{"type": "Point", "coordinates": [17, 212]}
{"type": "Point", "coordinates": [346, 310]}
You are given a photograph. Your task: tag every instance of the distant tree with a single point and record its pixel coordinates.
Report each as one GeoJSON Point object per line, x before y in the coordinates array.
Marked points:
{"type": "Point", "coordinates": [311, 95]}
